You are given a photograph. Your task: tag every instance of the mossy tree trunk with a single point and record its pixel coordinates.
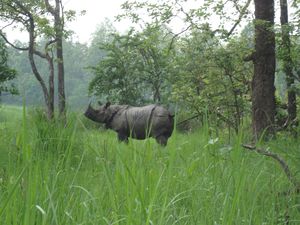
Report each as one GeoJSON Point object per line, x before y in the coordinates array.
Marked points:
{"type": "Point", "coordinates": [263, 89]}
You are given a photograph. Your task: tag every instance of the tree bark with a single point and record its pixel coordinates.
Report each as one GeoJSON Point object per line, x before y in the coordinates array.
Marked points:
{"type": "Point", "coordinates": [263, 89]}
{"type": "Point", "coordinates": [50, 82]}
{"type": "Point", "coordinates": [287, 61]}
{"type": "Point", "coordinates": [60, 61]}
{"type": "Point", "coordinates": [58, 27]}
{"type": "Point", "coordinates": [61, 80]}
{"type": "Point", "coordinates": [48, 94]}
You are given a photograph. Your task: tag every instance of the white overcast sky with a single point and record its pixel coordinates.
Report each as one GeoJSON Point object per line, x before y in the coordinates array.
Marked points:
{"type": "Point", "coordinates": [96, 12]}
{"type": "Point", "coordinates": [85, 25]}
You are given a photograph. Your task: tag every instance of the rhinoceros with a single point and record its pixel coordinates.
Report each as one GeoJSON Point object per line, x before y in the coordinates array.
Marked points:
{"type": "Point", "coordinates": [136, 122]}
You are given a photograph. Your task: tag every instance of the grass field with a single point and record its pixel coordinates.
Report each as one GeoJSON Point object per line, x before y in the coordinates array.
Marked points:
{"type": "Point", "coordinates": [73, 174]}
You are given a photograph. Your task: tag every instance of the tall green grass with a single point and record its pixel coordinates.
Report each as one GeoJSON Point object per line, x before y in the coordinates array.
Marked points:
{"type": "Point", "coordinates": [69, 174]}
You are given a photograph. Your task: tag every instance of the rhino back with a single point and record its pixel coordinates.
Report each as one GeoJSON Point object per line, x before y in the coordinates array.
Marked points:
{"type": "Point", "coordinates": [162, 122]}
{"type": "Point", "coordinates": [151, 120]}
{"type": "Point", "coordinates": [140, 122]}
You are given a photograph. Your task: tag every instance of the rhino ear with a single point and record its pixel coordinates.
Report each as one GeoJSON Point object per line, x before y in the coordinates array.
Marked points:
{"type": "Point", "coordinates": [107, 104]}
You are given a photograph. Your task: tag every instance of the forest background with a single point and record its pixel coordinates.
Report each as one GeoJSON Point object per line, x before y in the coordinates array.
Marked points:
{"type": "Point", "coordinates": [233, 67]}
{"type": "Point", "coordinates": [200, 68]}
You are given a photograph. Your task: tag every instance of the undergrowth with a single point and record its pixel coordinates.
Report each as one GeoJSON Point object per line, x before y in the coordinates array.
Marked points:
{"type": "Point", "coordinates": [54, 173]}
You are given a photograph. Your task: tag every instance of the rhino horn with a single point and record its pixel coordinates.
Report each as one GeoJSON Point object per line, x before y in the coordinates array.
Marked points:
{"type": "Point", "coordinates": [90, 105]}
{"type": "Point", "coordinates": [107, 104]}
{"type": "Point", "coordinates": [90, 108]}
{"type": "Point", "coordinates": [90, 112]}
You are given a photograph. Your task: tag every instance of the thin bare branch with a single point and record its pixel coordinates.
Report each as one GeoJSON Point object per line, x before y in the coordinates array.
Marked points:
{"type": "Point", "coordinates": [178, 34]}
{"type": "Point", "coordinates": [188, 119]}
{"type": "Point", "coordinates": [11, 44]}
{"type": "Point", "coordinates": [7, 25]}
{"type": "Point", "coordinates": [50, 43]}
{"type": "Point", "coordinates": [242, 13]}
{"type": "Point", "coordinates": [276, 157]}
{"type": "Point", "coordinates": [50, 8]}
{"type": "Point", "coordinates": [39, 53]}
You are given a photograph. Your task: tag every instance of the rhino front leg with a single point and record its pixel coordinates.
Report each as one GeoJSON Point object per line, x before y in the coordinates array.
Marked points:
{"type": "Point", "coordinates": [122, 137]}
{"type": "Point", "coordinates": [162, 140]}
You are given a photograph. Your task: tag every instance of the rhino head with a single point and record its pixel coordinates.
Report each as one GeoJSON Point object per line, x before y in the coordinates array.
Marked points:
{"type": "Point", "coordinates": [100, 115]}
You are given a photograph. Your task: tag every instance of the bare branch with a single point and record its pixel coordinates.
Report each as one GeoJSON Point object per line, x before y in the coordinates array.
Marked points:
{"type": "Point", "coordinates": [178, 34]}
{"type": "Point", "coordinates": [7, 25]}
{"type": "Point", "coordinates": [188, 119]}
{"type": "Point", "coordinates": [50, 8]}
{"type": "Point", "coordinates": [236, 5]}
{"type": "Point", "coordinates": [11, 44]}
{"type": "Point", "coordinates": [24, 11]}
{"type": "Point", "coordinates": [187, 15]}
{"type": "Point", "coordinates": [40, 54]}
{"type": "Point", "coordinates": [50, 43]}
{"type": "Point", "coordinates": [282, 163]}
{"type": "Point", "coordinates": [242, 13]}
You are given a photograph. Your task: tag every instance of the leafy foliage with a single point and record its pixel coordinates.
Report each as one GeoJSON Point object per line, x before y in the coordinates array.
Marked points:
{"type": "Point", "coordinates": [116, 73]}
{"type": "Point", "coordinates": [213, 78]}
{"type": "Point", "coordinates": [199, 72]}
{"type": "Point", "coordinates": [6, 73]}
{"type": "Point", "coordinates": [201, 69]}
{"type": "Point", "coordinates": [135, 69]}
{"type": "Point", "coordinates": [190, 14]}
{"type": "Point", "coordinates": [77, 77]}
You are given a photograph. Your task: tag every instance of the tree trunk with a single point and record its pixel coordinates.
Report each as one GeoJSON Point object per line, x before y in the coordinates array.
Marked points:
{"type": "Point", "coordinates": [263, 89]}
{"type": "Point", "coordinates": [20, 13]}
{"type": "Point", "coordinates": [60, 61]}
{"type": "Point", "coordinates": [59, 27]}
{"type": "Point", "coordinates": [48, 96]}
{"type": "Point", "coordinates": [156, 94]}
{"type": "Point", "coordinates": [287, 61]}
{"type": "Point", "coordinates": [61, 81]}
{"type": "Point", "coordinates": [51, 84]}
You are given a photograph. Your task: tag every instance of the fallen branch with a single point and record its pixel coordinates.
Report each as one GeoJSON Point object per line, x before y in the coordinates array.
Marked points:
{"type": "Point", "coordinates": [188, 119]}
{"type": "Point", "coordinates": [282, 163]}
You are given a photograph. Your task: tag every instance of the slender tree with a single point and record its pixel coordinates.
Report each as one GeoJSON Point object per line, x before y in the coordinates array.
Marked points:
{"type": "Point", "coordinates": [56, 12]}
{"type": "Point", "coordinates": [41, 20]}
{"type": "Point", "coordinates": [263, 89]}
{"type": "Point", "coordinates": [25, 14]}
{"type": "Point", "coordinates": [287, 61]}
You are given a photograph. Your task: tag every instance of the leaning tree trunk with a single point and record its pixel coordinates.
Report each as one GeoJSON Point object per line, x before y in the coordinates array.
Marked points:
{"type": "Point", "coordinates": [18, 12]}
{"type": "Point", "coordinates": [48, 94]}
{"type": "Point", "coordinates": [287, 61]}
{"type": "Point", "coordinates": [263, 90]}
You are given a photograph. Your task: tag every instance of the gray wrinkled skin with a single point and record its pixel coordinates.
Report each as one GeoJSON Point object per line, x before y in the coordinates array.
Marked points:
{"type": "Point", "coordinates": [136, 122]}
